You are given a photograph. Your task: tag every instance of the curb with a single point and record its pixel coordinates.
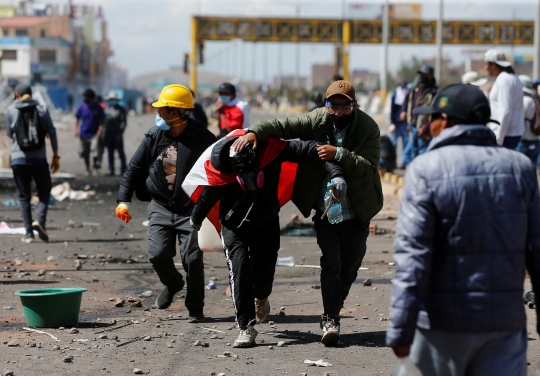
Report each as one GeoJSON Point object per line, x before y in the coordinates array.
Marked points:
{"type": "Point", "coordinates": [392, 178]}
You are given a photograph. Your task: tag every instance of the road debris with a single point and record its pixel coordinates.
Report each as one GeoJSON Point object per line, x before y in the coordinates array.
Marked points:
{"type": "Point", "coordinates": [367, 282]}
{"type": "Point", "coordinates": [13, 343]}
{"type": "Point", "coordinates": [41, 332]}
{"type": "Point", "coordinates": [318, 363]}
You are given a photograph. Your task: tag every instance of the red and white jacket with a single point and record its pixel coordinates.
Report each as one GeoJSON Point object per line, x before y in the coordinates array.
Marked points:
{"type": "Point", "coordinates": [236, 114]}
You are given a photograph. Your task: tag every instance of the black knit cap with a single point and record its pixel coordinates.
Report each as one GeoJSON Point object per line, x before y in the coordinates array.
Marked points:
{"type": "Point", "coordinates": [227, 87]}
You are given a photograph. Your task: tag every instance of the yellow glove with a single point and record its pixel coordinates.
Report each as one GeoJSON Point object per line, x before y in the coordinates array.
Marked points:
{"type": "Point", "coordinates": [55, 164]}
{"type": "Point", "coordinates": [122, 212]}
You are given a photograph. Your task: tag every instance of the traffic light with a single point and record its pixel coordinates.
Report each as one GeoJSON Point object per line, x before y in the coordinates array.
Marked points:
{"type": "Point", "coordinates": [200, 52]}
{"type": "Point", "coordinates": [186, 63]}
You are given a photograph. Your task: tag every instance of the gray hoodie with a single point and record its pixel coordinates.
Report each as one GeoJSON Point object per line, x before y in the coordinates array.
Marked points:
{"type": "Point", "coordinates": [34, 157]}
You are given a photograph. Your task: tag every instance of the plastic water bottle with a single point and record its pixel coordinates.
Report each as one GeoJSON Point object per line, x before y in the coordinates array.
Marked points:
{"type": "Point", "coordinates": [334, 213]}
{"type": "Point", "coordinates": [407, 368]}
{"type": "Point", "coordinates": [285, 261]}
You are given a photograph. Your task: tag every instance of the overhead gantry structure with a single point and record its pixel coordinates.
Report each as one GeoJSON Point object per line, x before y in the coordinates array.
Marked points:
{"type": "Point", "coordinates": [347, 32]}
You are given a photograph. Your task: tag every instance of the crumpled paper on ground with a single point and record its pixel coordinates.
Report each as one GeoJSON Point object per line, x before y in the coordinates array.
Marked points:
{"type": "Point", "coordinates": [63, 191]}
{"type": "Point", "coordinates": [318, 363]}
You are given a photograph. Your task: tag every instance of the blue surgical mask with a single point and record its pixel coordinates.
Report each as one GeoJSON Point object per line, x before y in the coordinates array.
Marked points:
{"type": "Point", "coordinates": [225, 99]}
{"type": "Point", "coordinates": [161, 124]}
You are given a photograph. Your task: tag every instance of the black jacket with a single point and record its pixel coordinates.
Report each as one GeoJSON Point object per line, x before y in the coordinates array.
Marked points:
{"type": "Point", "coordinates": [142, 168]}
{"type": "Point", "coordinates": [265, 200]}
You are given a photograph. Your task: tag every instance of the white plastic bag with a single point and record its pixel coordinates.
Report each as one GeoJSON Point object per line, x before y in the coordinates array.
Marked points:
{"type": "Point", "coordinates": [209, 239]}
{"type": "Point", "coordinates": [406, 368]}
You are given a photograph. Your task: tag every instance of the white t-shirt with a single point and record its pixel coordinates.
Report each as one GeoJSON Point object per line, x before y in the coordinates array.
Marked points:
{"type": "Point", "coordinates": [529, 109]}
{"type": "Point", "coordinates": [506, 101]}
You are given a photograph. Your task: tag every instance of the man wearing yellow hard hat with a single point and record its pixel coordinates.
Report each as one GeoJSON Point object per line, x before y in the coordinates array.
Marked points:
{"type": "Point", "coordinates": [155, 173]}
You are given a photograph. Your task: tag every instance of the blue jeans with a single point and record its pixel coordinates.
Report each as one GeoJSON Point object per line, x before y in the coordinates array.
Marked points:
{"type": "Point", "coordinates": [439, 353]}
{"type": "Point", "coordinates": [511, 142]}
{"type": "Point", "coordinates": [401, 131]}
{"type": "Point", "coordinates": [531, 149]}
{"type": "Point", "coordinates": [414, 147]}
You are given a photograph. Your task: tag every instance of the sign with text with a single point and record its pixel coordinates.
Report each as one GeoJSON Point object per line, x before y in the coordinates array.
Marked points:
{"type": "Point", "coordinates": [374, 11]}
{"type": "Point", "coordinates": [401, 11]}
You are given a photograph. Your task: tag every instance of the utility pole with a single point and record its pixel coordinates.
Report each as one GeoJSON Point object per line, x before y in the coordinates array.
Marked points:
{"type": "Point", "coordinates": [384, 65]}
{"type": "Point", "coordinates": [297, 46]}
{"type": "Point", "coordinates": [536, 62]}
{"type": "Point", "coordinates": [439, 57]}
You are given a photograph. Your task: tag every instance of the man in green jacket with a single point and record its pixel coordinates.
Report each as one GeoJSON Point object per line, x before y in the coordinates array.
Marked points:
{"type": "Point", "coordinates": [352, 139]}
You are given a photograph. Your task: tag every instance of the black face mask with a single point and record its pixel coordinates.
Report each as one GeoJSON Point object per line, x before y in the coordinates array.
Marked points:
{"type": "Point", "coordinates": [341, 122]}
{"type": "Point", "coordinates": [424, 79]}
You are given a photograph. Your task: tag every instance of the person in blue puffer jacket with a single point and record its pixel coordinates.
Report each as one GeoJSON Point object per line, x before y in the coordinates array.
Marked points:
{"type": "Point", "coordinates": [468, 228]}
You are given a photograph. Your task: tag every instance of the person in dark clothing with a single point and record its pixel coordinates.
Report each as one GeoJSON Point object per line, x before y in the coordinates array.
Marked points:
{"type": "Point", "coordinates": [198, 112]}
{"type": "Point", "coordinates": [113, 131]}
{"type": "Point", "coordinates": [31, 165]}
{"type": "Point", "coordinates": [155, 173]}
{"type": "Point", "coordinates": [421, 95]}
{"type": "Point", "coordinates": [388, 155]}
{"type": "Point", "coordinates": [318, 101]}
{"type": "Point", "coordinates": [400, 127]}
{"type": "Point", "coordinates": [249, 208]}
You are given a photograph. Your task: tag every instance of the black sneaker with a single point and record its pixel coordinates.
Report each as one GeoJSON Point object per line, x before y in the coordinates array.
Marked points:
{"type": "Point", "coordinates": [41, 231]}
{"type": "Point", "coordinates": [165, 298]}
{"type": "Point", "coordinates": [28, 238]}
{"type": "Point", "coordinates": [195, 317]}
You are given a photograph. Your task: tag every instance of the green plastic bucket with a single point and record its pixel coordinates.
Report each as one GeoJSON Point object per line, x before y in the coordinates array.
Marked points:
{"type": "Point", "coordinates": [51, 307]}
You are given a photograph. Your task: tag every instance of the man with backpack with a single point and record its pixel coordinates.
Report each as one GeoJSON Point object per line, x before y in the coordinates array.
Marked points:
{"type": "Point", "coordinates": [28, 123]}
{"type": "Point", "coordinates": [530, 144]}
{"type": "Point", "coordinates": [155, 173]}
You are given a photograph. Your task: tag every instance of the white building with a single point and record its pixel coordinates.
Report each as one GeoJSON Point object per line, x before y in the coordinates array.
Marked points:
{"type": "Point", "coordinates": [23, 58]}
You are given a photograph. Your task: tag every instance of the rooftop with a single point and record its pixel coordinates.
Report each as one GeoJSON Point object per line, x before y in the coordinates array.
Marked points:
{"type": "Point", "coordinates": [23, 21]}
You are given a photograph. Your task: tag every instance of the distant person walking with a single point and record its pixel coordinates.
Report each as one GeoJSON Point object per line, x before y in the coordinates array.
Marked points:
{"type": "Point", "coordinates": [530, 143]}
{"type": "Point", "coordinates": [89, 124]}
{"type": "Point", "coordinates": [28, 123]}
{"type": "Point", "coordinates": [233, 113]}
{"type": "Point", "coordinates": [398, 128]}
{"type": "Point", "coordinates": [420, 95]}
{"type": "Point", "coordinates": [506, 100]}
{"type": "Point", "coordinates": [112, 135]}
{"type": "Point", "coordinates": [468, 228]}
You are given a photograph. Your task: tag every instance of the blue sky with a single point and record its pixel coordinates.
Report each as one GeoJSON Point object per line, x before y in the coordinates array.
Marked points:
{"type": "Point", "coordinates": [151, 35]}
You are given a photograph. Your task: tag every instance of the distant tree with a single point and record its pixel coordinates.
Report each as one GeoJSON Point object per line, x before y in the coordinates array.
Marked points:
{"type": "Point", "coordinates": [408, 69]}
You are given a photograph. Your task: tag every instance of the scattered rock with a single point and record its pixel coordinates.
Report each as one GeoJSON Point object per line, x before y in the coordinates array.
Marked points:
{"type": "Point", "coordinates": [282, 313]}
{"type": "Point", "coordinates": [375, 288]}
{"type": "Point", "coordinates": [282, 308]}
{"type": "Point", "coordinates": [365, 318]}
{"type": "Point", "coordinates": [56, 347]}
{"type": "Point", "coordinates": [136, 304]}
{"type": "Point", "coordinates": [316, 287]}
{"type": "Point", "coordinates": [147, 294]}
{"type": "Point", "coordinates": [103, 336]}
{"type": "Point", "coordinates": [94, 279]}
{"type": "Point", "coordinates": [281, 344]}
{"type": "Point", "coordinates": [147, 338]}
{"type": "Point", "coordinates": [13, 343]}
{"type": "Point", "coordinates": [197, 343]}
{"type": "Point", "coordinates": [68, 359]}
{"type": "Point", "coordinates": [8, 373]}
{"type": "Point", "coordinates": [169, 346]}
{"type": "Point", "coordinates": [205, 344]}
{"type": "Point", "coordinates": [138, 371]}
{"type": "Point", "coordinates": [270, 323]}
{"type": "Point", "coordinates": [41, 272]}
{"type": "Point", "coordinates": [221, 374]}
{"type": "Point", "coordinates": [270, 347]}
{"type": "Point", "coordinates": [367, 282]}
{"type": "Point", "coordinates": [50, 258]}
{"type": "Point", "coordinates": [119, 302]}
{"type": "Point", "coordinates": [73, 331]}
{"type": "Point", "coordinates": [32, 344]}
{"type": "Point", "coordinates": [78, 264]}
{"type": "Point", "coordinates": [7, 308]}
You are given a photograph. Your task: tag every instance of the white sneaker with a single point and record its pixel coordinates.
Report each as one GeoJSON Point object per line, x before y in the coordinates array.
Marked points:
{"type": "Point", "coordinates": [246, 338]}
{"type": "Point", "coordinates": [262, 309]}
{"type": "Point", "coordinates": [330, 331]}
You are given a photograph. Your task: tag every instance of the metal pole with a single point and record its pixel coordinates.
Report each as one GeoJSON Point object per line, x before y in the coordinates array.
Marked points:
{"type": "Point", "coordinates": [345, 41]}
{"type": "Point", "coordinates": [279, 62]}
{"type": "Point", "coordinates": [254, 63]}
{"type": "Point", "coordinates": [193, 55]}
{"type": "Point", "coordinates": [265, 63]}
{"type": "Point", "coordinates": [384, 65]}
{"type": "Point", "coordinates": [297, 60]}
{"type": "Point", "coordinates": [439, 57]}
{"type": "Point", "coordinates": [536, 62]}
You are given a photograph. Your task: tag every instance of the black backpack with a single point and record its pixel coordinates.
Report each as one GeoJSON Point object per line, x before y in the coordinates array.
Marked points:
{"type": "Point", "coordinates": [29, 131]}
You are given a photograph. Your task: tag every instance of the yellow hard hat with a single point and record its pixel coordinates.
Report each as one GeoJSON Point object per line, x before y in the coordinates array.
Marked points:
{"type": "Point", "coordinates": [177, 96]}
